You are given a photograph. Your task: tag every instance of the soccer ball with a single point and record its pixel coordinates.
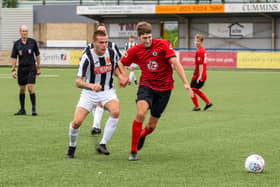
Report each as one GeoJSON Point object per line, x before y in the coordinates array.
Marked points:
{"type": "Point", "coordinates": [254, 163]}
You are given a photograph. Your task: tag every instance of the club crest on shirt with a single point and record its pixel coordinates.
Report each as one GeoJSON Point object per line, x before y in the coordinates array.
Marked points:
{"type": "Point", "coordinates": [152, 65]}
{"type": "Point", "coordinates": [125, 54]}
{"type": "Point", "coordinates": [154, 53]}
{"type": "Point", "coordinates": [108, 60]}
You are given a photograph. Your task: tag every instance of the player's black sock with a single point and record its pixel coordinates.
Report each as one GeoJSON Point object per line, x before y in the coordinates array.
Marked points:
{"type": "Point", "coordinates": [33, 101]}
{"type": "Point", "coordinates": [21, 100]}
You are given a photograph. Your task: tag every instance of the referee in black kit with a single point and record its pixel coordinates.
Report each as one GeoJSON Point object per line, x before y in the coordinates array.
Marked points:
{"type": "Point", "coordinates": [23, 52]}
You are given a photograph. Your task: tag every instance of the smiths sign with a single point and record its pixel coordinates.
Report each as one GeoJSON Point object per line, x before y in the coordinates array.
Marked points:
{"type": "Point", "coordinates": [230, 30]}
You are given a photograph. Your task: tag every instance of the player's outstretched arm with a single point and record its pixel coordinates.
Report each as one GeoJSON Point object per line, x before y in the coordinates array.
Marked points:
{"type": "Point", "coordinates": [180, 71]}
{"type": "Point", "coordinates": [122, 75]}
{"type": "Point", "coordinates": [80, 83]}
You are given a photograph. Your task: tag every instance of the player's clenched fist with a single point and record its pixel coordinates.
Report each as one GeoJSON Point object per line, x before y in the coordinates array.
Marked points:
{"type": "Point", "coordinates": [95, 87]}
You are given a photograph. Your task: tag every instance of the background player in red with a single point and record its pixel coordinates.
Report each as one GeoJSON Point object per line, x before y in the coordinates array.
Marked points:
{"type": "Point", "coordinates": [155, 58]}
{"type": "Point", "coordinates": [199, 75]}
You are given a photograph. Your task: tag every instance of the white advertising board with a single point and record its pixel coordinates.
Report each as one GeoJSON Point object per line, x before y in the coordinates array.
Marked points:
{"type": "Point", "coordinates": [55, 56]}
{"type": "Point", "coordinates": [252, 8]}
{"type": "Point", "coordinates": [115, 10]}
{"type": "Point", "coordinates": [66, 43]}
{"type": "Point", "coordinates": [230, 30]}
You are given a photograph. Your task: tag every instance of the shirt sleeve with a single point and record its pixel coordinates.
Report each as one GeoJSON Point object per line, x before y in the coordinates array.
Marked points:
{"type": "Point", "coordinates": [129, 58]}
{"type": "Point", "coordinates": [36, 49]}
{"type": "Point", "coordinates": [117, 51]}
{"type": "Point", "coordinates": [14, 53]}
{"type": "Point", "coordinates": [83, 66]}
{"type": "Point", "coordinates": [169, 51]}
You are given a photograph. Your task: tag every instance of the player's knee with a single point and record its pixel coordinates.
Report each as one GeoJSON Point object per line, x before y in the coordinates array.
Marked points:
{"type": "Point", "coordinates": [22, 89]}
{"type": "Point", "coordinates": [76, 124]}
{"type": "Point", "coordinates": [141, 115]}
{"type": "Point", "coordinates": [31, 90]}
{"type": "Point", "coordinates": [115, 113]}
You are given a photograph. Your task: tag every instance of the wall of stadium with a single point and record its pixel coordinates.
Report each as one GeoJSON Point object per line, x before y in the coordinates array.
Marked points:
{"type": "Point", "coordinates": [260, 36]}
{"type": "Point", "coordinates": [63, 31]}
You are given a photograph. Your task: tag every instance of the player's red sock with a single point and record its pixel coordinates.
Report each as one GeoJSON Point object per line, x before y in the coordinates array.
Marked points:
{"type": "Point", "coordinates": [202, 96]}
{"type": "Point", "coordinates": [147, 130]}
{"type": "Point", "coordinates": [136, 130]}
{"type": "Point", "coordinates": [194, 99]}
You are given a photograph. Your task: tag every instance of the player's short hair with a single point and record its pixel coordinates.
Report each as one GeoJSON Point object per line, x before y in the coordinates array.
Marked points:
{"type": "Point", "coordinates": [100, 25]}
{"type": "Point", "coordinates": [199, 37]}
{"type": "Point", "coordinates": [98, 33]}
{"type": "Point", "coordinates": [131, 36]}
{"type": "Point", "coordinates": [143, 28]}
{"type": "Point", "coordinates": [23, 27]}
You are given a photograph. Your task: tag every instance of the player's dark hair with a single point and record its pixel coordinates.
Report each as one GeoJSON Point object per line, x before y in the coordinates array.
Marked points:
{"type": "Point", "coordinates": [199, 37]}
{"type": "Point", "coordinates": [98, 33]}
{"type": "Point", "coordinates": [143, 28]}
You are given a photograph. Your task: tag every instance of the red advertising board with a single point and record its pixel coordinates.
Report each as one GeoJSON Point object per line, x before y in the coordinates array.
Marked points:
{"type": "Point", "coordinates": [214, 59]}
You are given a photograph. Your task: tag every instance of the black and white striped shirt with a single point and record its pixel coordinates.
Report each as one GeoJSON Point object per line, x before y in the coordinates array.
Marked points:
{"type": "Point", "coordinates": [98, 69]}
{"type": "Point", "coordinates": [111, 45]}
{"type": "Point", "coordinates": [129, 45]}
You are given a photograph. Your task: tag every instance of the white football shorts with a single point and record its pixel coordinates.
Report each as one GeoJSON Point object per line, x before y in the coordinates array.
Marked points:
{"type": "Point", "coordinates": [90, 99]}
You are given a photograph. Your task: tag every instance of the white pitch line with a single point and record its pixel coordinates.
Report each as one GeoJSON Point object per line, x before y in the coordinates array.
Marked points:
{"type": "Point", "coordinates": [48, 75]}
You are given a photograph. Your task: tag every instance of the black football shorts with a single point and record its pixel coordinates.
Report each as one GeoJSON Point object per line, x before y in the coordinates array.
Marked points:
{"type": "Point", "coordinates": [26, 75]}
{"type": "Point", "coordinates": [157, 100]}
{"type": "Point", "coordinates": [198, 85]}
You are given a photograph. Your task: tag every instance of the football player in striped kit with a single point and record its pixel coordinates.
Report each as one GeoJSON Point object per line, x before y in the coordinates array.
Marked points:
{"type": "Point", "coordinates": [95, 78]}
{"type": "Point", "coordinates": [99, 110]}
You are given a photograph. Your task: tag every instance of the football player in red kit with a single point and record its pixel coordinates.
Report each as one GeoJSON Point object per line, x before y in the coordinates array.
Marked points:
{"type": "Point", "coordinates": [199, 75]}
{"type": "Point", "coordinates": [155, 57]}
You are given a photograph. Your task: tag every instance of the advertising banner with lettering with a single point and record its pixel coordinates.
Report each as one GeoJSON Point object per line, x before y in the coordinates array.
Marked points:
{"type": "Point", "coordinates": [190, 9]}
{"type": "Point", "coordinates": [122, 30]}
{"type": "Point", "coordinates": [213, 59]}
{"type": "Point", "coordinates": [55, 56]}
{"type": "Point", "coordinates": [230, 30]}
{"type": "Point", "coordinates": [252, 8]}
{"type": "Point", "coordinates": [263, 60]}
{"type": "Point", "coordinates": [75, 56]}
{"type": "Point", "coordinates": [111, 10]}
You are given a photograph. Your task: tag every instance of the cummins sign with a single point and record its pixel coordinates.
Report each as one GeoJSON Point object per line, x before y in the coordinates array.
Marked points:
{"type": "Point", "coordinates": [252, 8]}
